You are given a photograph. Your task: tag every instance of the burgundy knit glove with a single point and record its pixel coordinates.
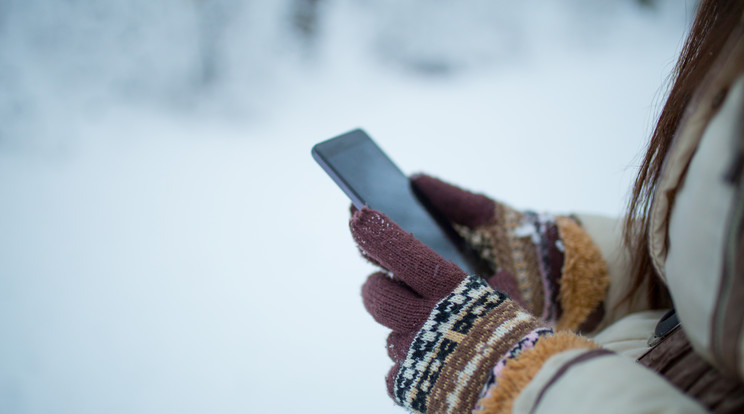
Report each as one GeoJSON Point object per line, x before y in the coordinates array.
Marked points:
{"type": "Point", "coordinates": [449, 329]}
{"type": "Point", "coordinates": [547, 263]}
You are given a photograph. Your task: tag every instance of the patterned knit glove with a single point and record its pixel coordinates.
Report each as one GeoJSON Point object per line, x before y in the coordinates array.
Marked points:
{"type": "Point", "coordinates": [449, 329]}
{"type": "Point", "coordinates": [559, 273]}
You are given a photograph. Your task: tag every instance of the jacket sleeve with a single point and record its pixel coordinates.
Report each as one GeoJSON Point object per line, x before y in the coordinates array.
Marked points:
{"type": "Point", "coordinates": [567, 373]}
{"type": "Point", "coordinates": [568, 383]}
{"type": "Point", "coordinates": [704, 263]}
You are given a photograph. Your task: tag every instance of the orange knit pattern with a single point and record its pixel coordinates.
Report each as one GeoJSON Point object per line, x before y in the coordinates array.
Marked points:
{"type": "Point", "coordinates": [585, 279]}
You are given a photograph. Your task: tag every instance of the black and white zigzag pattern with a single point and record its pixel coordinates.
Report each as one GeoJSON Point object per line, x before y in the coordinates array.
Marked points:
{"type": "Point", "coordinates": [456, 313]}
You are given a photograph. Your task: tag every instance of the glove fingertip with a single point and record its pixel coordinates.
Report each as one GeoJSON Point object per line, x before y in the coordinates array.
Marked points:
{"type": "Point", "coordinates": [457, 205]}
{"type": "Point", "coordinates": [366, 224]}
{"type": "Point", "coordinates": [413, 263]}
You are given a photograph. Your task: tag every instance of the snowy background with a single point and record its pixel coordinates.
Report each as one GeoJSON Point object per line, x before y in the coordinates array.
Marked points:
{"type": "Point", "coordinates": [167, 243]}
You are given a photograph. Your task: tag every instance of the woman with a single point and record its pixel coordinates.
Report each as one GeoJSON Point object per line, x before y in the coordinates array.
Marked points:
{"type": "Point", "coordinates": [512, 343]}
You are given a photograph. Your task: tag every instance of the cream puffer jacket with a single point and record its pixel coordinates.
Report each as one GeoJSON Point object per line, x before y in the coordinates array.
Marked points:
{"type": "Point", "coordinates": [699, 254]}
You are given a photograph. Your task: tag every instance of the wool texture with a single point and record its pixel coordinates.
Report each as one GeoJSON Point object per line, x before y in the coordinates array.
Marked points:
{"type": "Point", "coordinates": [455, 350]}
{"type": "Point", "coordinates": [527, 342]}
{"type": "Point", "coordinates": [449, 329]}
{"type": "Point", "coordinates": [563, 282]}
{"type": "Point", "coordinates": [458, 206]}
{"type": "Point", "coordinates": [458, 339]}
{"type": "Point", "coordinates": [524, 344]}
{"type": "Point", "coordinates": [519, 371]}
{"type": "Point", "coordinates": [585, 279]}
{"type": "Point", "coordinates": [507, 243]}
{"type": "Point", "coordinates": [559, 271]}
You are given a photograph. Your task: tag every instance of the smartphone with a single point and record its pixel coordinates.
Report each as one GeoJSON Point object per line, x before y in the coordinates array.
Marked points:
{"type": "Point", "coordinates": [370, 178]}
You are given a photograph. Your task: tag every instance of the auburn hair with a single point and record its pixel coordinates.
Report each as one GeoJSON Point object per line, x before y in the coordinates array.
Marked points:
{"type": "Point", "coordinates": [714, 23]}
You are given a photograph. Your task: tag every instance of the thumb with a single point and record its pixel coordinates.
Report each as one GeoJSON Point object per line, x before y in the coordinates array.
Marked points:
{"type": "Point", "coordinates": [457, 205]}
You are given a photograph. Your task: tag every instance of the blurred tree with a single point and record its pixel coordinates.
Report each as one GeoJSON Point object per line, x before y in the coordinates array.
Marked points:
{"type": "Point", "coordinates": [214, 16]}
{"type": "Point", "coordinates": [304, 18]}
{"type": "Point", "coordinates": [655, 3]}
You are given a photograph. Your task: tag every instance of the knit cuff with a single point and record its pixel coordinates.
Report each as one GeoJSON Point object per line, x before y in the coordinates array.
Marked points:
{"type": "Point", "coordinates": [454, 352]}
{"type": "Point", "coordinates": [528, 342]}
{"type": "Point", "coordinates": [520, 370]}
{"type": "Point", "coordinates": [584, 278]}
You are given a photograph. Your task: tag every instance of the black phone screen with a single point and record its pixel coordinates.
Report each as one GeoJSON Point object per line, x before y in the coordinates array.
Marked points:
{"type": "Point", "coordinates": [369, 177]}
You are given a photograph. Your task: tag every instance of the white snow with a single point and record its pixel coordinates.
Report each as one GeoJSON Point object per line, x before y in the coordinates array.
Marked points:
{"type": "Point", "coordinates": [167, 244]}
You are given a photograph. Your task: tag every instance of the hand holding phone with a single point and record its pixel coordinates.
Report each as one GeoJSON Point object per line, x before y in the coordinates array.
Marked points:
{"type": "Point", "coordinates": [370, 178]}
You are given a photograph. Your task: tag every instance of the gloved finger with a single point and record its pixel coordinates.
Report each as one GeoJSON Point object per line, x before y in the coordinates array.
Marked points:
{"type": "Point", "coordinates": [398, 344]}
{"type": "Point", "coordinates": [393, 304]}
{"type": "Point", "coordinates": [457, 205]}
{"type": "Point", "coordinates": [352, 210]}
{"type": "Point", "coordinates": [409, 260]}
{"type": "Point", "coordinates": [504, 281]}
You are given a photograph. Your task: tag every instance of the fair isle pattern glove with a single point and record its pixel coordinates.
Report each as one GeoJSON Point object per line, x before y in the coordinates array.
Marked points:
{"type": "Point", "coordinates": [449, 330]}
{"type": "Point", "coordinates": [559, 273]}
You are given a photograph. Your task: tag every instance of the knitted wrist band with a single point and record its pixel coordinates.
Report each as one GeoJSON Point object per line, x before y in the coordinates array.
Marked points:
{"type": "Point", "coordinates": [519, 371]}
{"type": "Point", "coordinates": [455, 350]}
{"type": "Point", "coordinates": [524, 344]}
